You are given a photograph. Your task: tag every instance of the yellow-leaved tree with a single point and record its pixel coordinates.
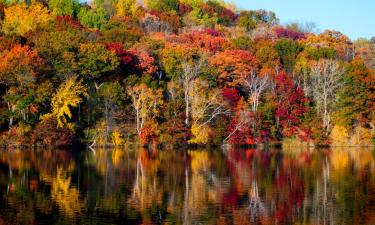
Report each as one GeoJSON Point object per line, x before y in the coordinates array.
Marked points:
{"type": "Point", "coordinates": [68, 96]}
{"type": "Point", "coordinates": [117, 138]}
{"type": "Point", "coordinates": [22, 18]}
{"type": "Point", "coordinates": [146, 103]}
{"type": "Point", "coordinates": [206, 105]}
{"type": "Point", "coordinates": [128, 8]}
{"type": "Point", "coordinates": [339, 136]}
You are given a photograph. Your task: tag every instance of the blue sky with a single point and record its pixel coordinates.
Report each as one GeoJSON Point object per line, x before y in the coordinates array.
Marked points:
{"type": "Point", "coordinates": [355, 18]}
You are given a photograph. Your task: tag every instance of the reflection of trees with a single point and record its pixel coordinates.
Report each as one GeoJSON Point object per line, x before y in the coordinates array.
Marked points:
{"type": "Point", "coordinates": [26, 196]}
{"type": "Point", "coordinates": [203, 187]}
{"type": "Point", "coordinates": [352, 185]}
{"type": "Point", "coordinates": [66, 196]}
{"type": "Point", "coordinates": [270, 183]}
{"type": "Point", "coordinates": [147, 191]}
{"type": "Point", "coordinates": [319, 206]}
{"type": "Point", "coordinates": [190, 187]}
{"type": "Point", "coordinates": [256, 205]}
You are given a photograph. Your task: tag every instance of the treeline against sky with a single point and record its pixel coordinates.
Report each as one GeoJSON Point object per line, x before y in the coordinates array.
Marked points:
{"type": "Point", "coordinates": [178, 71]}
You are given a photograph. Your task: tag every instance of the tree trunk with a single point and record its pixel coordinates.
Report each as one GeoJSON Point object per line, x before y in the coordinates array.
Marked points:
{"type": "Point", "coordinates": [138, 122]}
{"type": "Point", "coordinates": [11, 109]}
{"type": "Point", "coordinates": [106, 122]}
{"type": "Point", "coordinates": [186, 106]}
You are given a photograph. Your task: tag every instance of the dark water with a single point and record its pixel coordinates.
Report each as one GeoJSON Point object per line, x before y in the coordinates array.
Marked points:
{"type": "Point", "coordinates": [194, 187]}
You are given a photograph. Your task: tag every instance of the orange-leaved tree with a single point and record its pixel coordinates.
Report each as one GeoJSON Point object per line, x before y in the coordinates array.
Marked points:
{"type": "Point", "coordinates": [233, 66]}
{"type": "Point", "coordinates": [18, 72]}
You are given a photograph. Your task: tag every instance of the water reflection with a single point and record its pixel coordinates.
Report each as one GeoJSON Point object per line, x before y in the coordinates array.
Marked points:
{"type": "Point", "coordinates": [188, 187]}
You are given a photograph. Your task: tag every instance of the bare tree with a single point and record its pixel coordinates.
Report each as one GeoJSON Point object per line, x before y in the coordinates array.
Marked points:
{"type": "Point", "coordinates": [326, 77]}
{"type": "Point", "coordinates": [256, 85]}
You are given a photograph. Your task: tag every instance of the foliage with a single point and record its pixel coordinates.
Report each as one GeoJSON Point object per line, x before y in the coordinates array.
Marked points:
{"type": "Point", "coordinates": [251, 19]}
{"type": "Point", "coordinates": [124, 35]}
{"type": "Point", "coordinates": [166, 5]}
{"type": "Point", "coordinates": [95, 60]}
{"type": "Point", "coordinates": [127, 8]}
{"type": "Point", "coordinates": [68, 96]}
{"type": "Point", "coordinates": [201, 134]}
{"type": "Point", "coordinates": [207, 40]}
{"type": "Point", "coordinates": [22, 18]}
{"type": "Point", "coordinates": [333, 39]}
{"type": "Point", "coordinates": [356, 97]}
{"type": "Point", "coordinates": [146, 104]}
{"type": "Point", "coordinates": [206, 106]}
{"type": "Point", "coordinates": [117, 138]}
{"type": "Point", "coordinates": [47, 132]}
{"type": "Point", "coordinates": [92, 17]}
{"type": "Point", "coordinates": [290, 105]}
{"type": "Point", "coordinates": [289, 33]}
{"type": "Point", "coordinates": [288, 50]}
{"type": "Point", "coordinates": [63, 7]}
{"type": "Point", "coordinates": [233, 66]}
{"type": "Point", "coordinates": [179, 71]}
{"type": "Point", "coordinates": [18, 65]}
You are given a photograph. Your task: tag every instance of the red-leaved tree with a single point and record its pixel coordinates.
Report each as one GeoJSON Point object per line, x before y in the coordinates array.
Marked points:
{"type": "Point", "coordinates": [290, 106]}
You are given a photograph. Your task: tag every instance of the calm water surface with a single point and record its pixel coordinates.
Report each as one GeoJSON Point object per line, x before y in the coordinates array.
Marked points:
{"type": "Point", "coordinates": [334, 186]}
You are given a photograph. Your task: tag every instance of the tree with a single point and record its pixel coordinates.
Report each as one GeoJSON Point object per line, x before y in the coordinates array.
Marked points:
{"type": "Point", "coordinates": [282, 32]}
{"type": "Point", "coordinates": [217, 9]}
{"type": "Point", "coordinates": [288, 50]}
{"type": "Point", "coordinates": [290, 105]}
{"type": "Point", "coordinates": [68, 96]}
{"type": "Point", "coordinates": [356, 96]}
{"type": "Point", "coordinates": [326, 79]}
{"type": "Point", "coordinates": [333, 39]}
{"type": "Point", "coordinates": [63, 7]}
{"type": "Point", "coordinates": [193, 3]}
{"type": "Point", "coordinates": [18, 71]}
{"type": "Point", "coordinates": [145, 64]}
{"type": "Point", "coordinates": [113, 95]}
{"type": "Point", "coordinates": [233, 66]}
{"type": "Point", "coordinates": [251, 19]}
{"type": "Point", "coordinates": [268, 57]}
{"type": "Point", "coordinates": [59, 50]}
{"type": "Point", "coordinates": [238, 131]}
{"type": "Point", "coordinates": [171, 58]}
{"type": "Point", "coordinates": [126, 36]}
{"type": "Point", "coordinates": [366, 50]}
{"type": "Point", "coordinates": [191, 70]}
{"type": "Point", "coordinates": [210, 40]}
{"type": "Point", "coordinates": [92, 17]}
{"type": "Point", "coordinates": [48, 133]}
{"type": "Point", "coordinates": [184, 66]}
{"type": "Point", "coordinates": [255, 85]}
{"type": "Point", "coordinates": [18, 65]}
{"type": "Point", "coordinates": [164, 5]}
{"type": "Point", "coordinates": [22, 18]}
{"type": "Point", "coordinates": [95, 60]}
{"type": "Point", "coordinates": [145, 102]}
{"type": "Point", "coordinates": [153, 23]}
{"type": "Point", "coordinates": [127, 8]}
{"type": "Point", "coordinates": [206, 105]}
{"type": "Point", "coordinates": [200, 17]}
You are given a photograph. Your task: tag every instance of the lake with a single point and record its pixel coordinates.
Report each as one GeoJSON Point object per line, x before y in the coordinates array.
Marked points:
{"type": "Point", "coordinates": [233, 186]}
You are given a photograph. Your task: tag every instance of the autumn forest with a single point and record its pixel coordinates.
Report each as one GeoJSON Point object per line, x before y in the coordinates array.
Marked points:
{"type": "Point", "coordinates": [172, 72]}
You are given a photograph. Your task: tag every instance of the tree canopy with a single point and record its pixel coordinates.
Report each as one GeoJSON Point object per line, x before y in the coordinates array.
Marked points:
{"type": "Point", "coordinates": [178, 71]}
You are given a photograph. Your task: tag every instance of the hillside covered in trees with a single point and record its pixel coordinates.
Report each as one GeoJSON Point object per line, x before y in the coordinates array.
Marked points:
{"type": "Point", "coordinates": [177, 71]}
